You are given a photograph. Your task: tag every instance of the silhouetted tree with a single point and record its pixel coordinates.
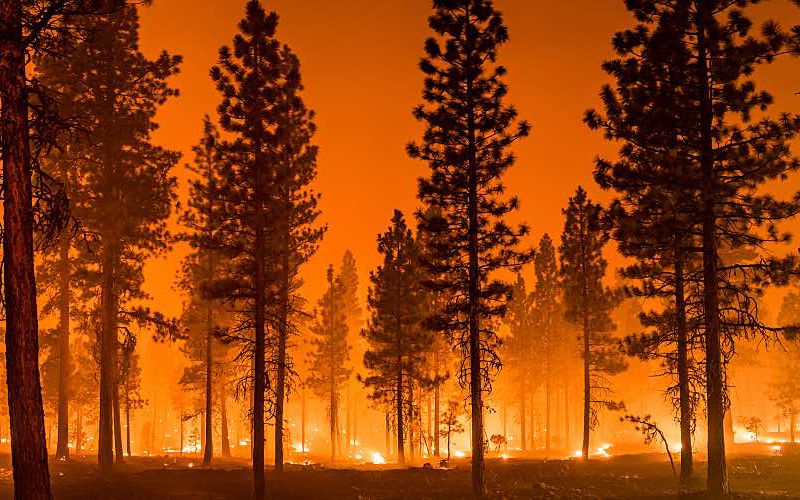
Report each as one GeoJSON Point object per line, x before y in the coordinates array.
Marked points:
{"type": "Point", "coordinates": [297, 234]}
{"type": "Point", "coordinates": [466, 143]}
{"type": "Point", "coordinates": [546, 312]}
{"type": "Point", "coordinates": [688, 72]}
{"type": "Point", "coordinates": [397, 341]}
{"type": "Point", "coordinates": [589, 304]}
{"type": "Point", "coordinates": [331, 352]}
{"type": "Point", "coordinates": [248, 78]}
{"type": "Point", "coordinates": [125, 190]}
{"type": "Point", "coordinates": [518, 349]}
{"type": "Point", "coordinates": [27, 28]}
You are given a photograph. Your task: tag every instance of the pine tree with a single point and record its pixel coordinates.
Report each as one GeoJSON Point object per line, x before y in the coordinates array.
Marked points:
{"type": "Point", "coordinates": [589, 304]}
{"type": "Point", "coordinates": [200, 269]}
{"type": "Point", "coordinates": [297, 234]}
{"type": "Point", "coordinates": [331, 353]}
{"type": "Point", "coordinates": [125, 190]}
{"type": "Point", "coordinates": [247, 78]}
{"type": "Point", "coordinates": [518, 349]}
{"type": "Point", "coordinates": [654, 216]}
{"type": "Point", "coordinates": [696, 109]}
{"type": "Point", "coordinates": [546, 310]}
{"type": "Point", "coordinates": [397, 341]}
{"type": "Point", "coordinates": [469, 129]}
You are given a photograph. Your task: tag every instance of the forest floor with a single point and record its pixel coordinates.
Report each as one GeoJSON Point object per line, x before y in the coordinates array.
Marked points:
{"type": "Point", "coordinates": [626, 476]}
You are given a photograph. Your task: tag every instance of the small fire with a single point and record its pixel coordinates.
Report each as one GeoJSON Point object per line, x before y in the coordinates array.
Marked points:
{"type": "Point", "coordinates": [378, 459]}
{"type": "Point", "coordinates": [191, 465]}
{"type": "Point", "coordinates": [677, 447]}
{"type": "Point", "coordinates": [577, 454]}
{"type": "Point", "coordinates": [459, 454]}
{"type": "Point", "coordinates": [776, 449]}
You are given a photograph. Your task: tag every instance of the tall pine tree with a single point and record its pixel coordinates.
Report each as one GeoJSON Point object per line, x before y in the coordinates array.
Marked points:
{"type": "Point", "coordinates": [589, 304]}
{"type": "Point", "coordinates": [469, 129]}
{"type": "Point", "coordinates": [330, 354]}
{"type": "Point", "coordinates": [397, 341]}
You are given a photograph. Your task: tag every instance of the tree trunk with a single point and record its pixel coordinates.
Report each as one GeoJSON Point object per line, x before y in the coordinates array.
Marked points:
{"type": "Point", "coordinates": [64, 368]}
{"type": "Point", "coordinates": [79, 431]}
{"type": "Point", "coordinates": [259, 357]}
{"type": "Point", "coordinates": [108, 357]}
{"type": "Point", "coordinates": [547, 404]}
{"type": "Point", "coordinates": [283, 329]}
{"type": "Point", "coordinates": [717, 479]}
{"type": "Point", "coordinates": [567, 438]}
{"type": "Point", "coordinates": [587, 376]}
{"type": "Point", "coordinates": [522, 418]}
{"type": "Point", "coordinates": [683, 369]}
{"type": "Point", "coordinates": [303, 422]}
{"type": "Point", "coordinates": [225, 440]}
{"type": "Point", "coordinates": [120, 452]}
{"type": "Point", "coordinates": [587, 389]}
{"type": "Point", "coordinates": [475, 382]}
{"type": "Point", "coordinates": [26, 412]}
{"type": "Point", "coordinates": [401, 456]}
{"type": "Point", "coordinates": [436, 451]}
{"type": "Point", "coordinates": [410, 426]}
{"type": "Point", "coordinates": [127, 423]}
{"type": "Point", "coordinates": [208, 442]}
{"type": "Point", "coordinates": [181, 443]}
{"type": "Point", "coordinates": [388, 435]}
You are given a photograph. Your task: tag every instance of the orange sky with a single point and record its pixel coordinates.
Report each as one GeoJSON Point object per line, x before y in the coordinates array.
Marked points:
{"type": "Point", "coordinates": [359, 63]}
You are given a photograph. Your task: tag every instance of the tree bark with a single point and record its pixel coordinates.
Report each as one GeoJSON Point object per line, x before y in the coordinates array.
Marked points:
{"type": "Point", "coordinates": [120, 452]}
{"type": "Point", "coordinates": [127, 423]}
{"type": "Point", "coordinates": [522, 419]}
{"type": "Point", "coordinates": [683, 368]}
{"type": "Point", "coordinates": [401, 456]}
{"type": "Point", "coordinates": [208, 443]}
{"type": "Point", "coordinates": [26, 412]}
{"type": "Point", "coordinates": [108, 356]}
{"type": "Point", "coordinates": [717, 479]}
{"type": "Point", "coordinates": [475, 382]}
{"type": "Point", "coordinates": [283, 330]}
{"type": "Point", "coordinates": [64, 365]}
{"type": "Point", "coordinates": [225, 440]}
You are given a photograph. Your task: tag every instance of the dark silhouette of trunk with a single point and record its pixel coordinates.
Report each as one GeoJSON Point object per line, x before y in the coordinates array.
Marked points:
{"type": "Point", "coordinates": [547, 403]}
{"type": "Point", "coordinates": [303, 421]}
{"type": "Point", "coordinates": [522, 418]}
{"type": "Point", "coordinates": [64, 366]}
{"type": "Point", "coordinates": [347, 427]}
{"type": "Point", "coordinates": [225, 440]}
{"type": "Point", "coordinates": [587, 376]}
{"type": "Point", "coordinates": [683, 367]}
{"type": "Point", "coordinates": [208, 442]}
{"type": "Point", "coordinates": [120, 452]}
{"type": "Point", "coordinates": [26, 413]}
{"type": "Point", "coordinates": [108, 357]}
{"type": "Point", "coordinates": [259, 357]}
{"type": "Point", "coordinates": [388, 434]}
{"type": "Point", "coordinates": [436, 451]}
{"type": "Point", "coordinates": [283, 330]}
{"type": "Point", "coordinates": [401, 456]}
{"type": "Point", "coordinates": [181, 416]}
{"type": "Point", "coordinates": [475, 382]}
{"type": "Point", "coordinates": [79, 431]}
{"type": "Point", "coordinates": [127, 422]}
{"type": "Point", "coordinates": [717, 478]}
{"type": "Point", "coordinates": [410, 426]}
